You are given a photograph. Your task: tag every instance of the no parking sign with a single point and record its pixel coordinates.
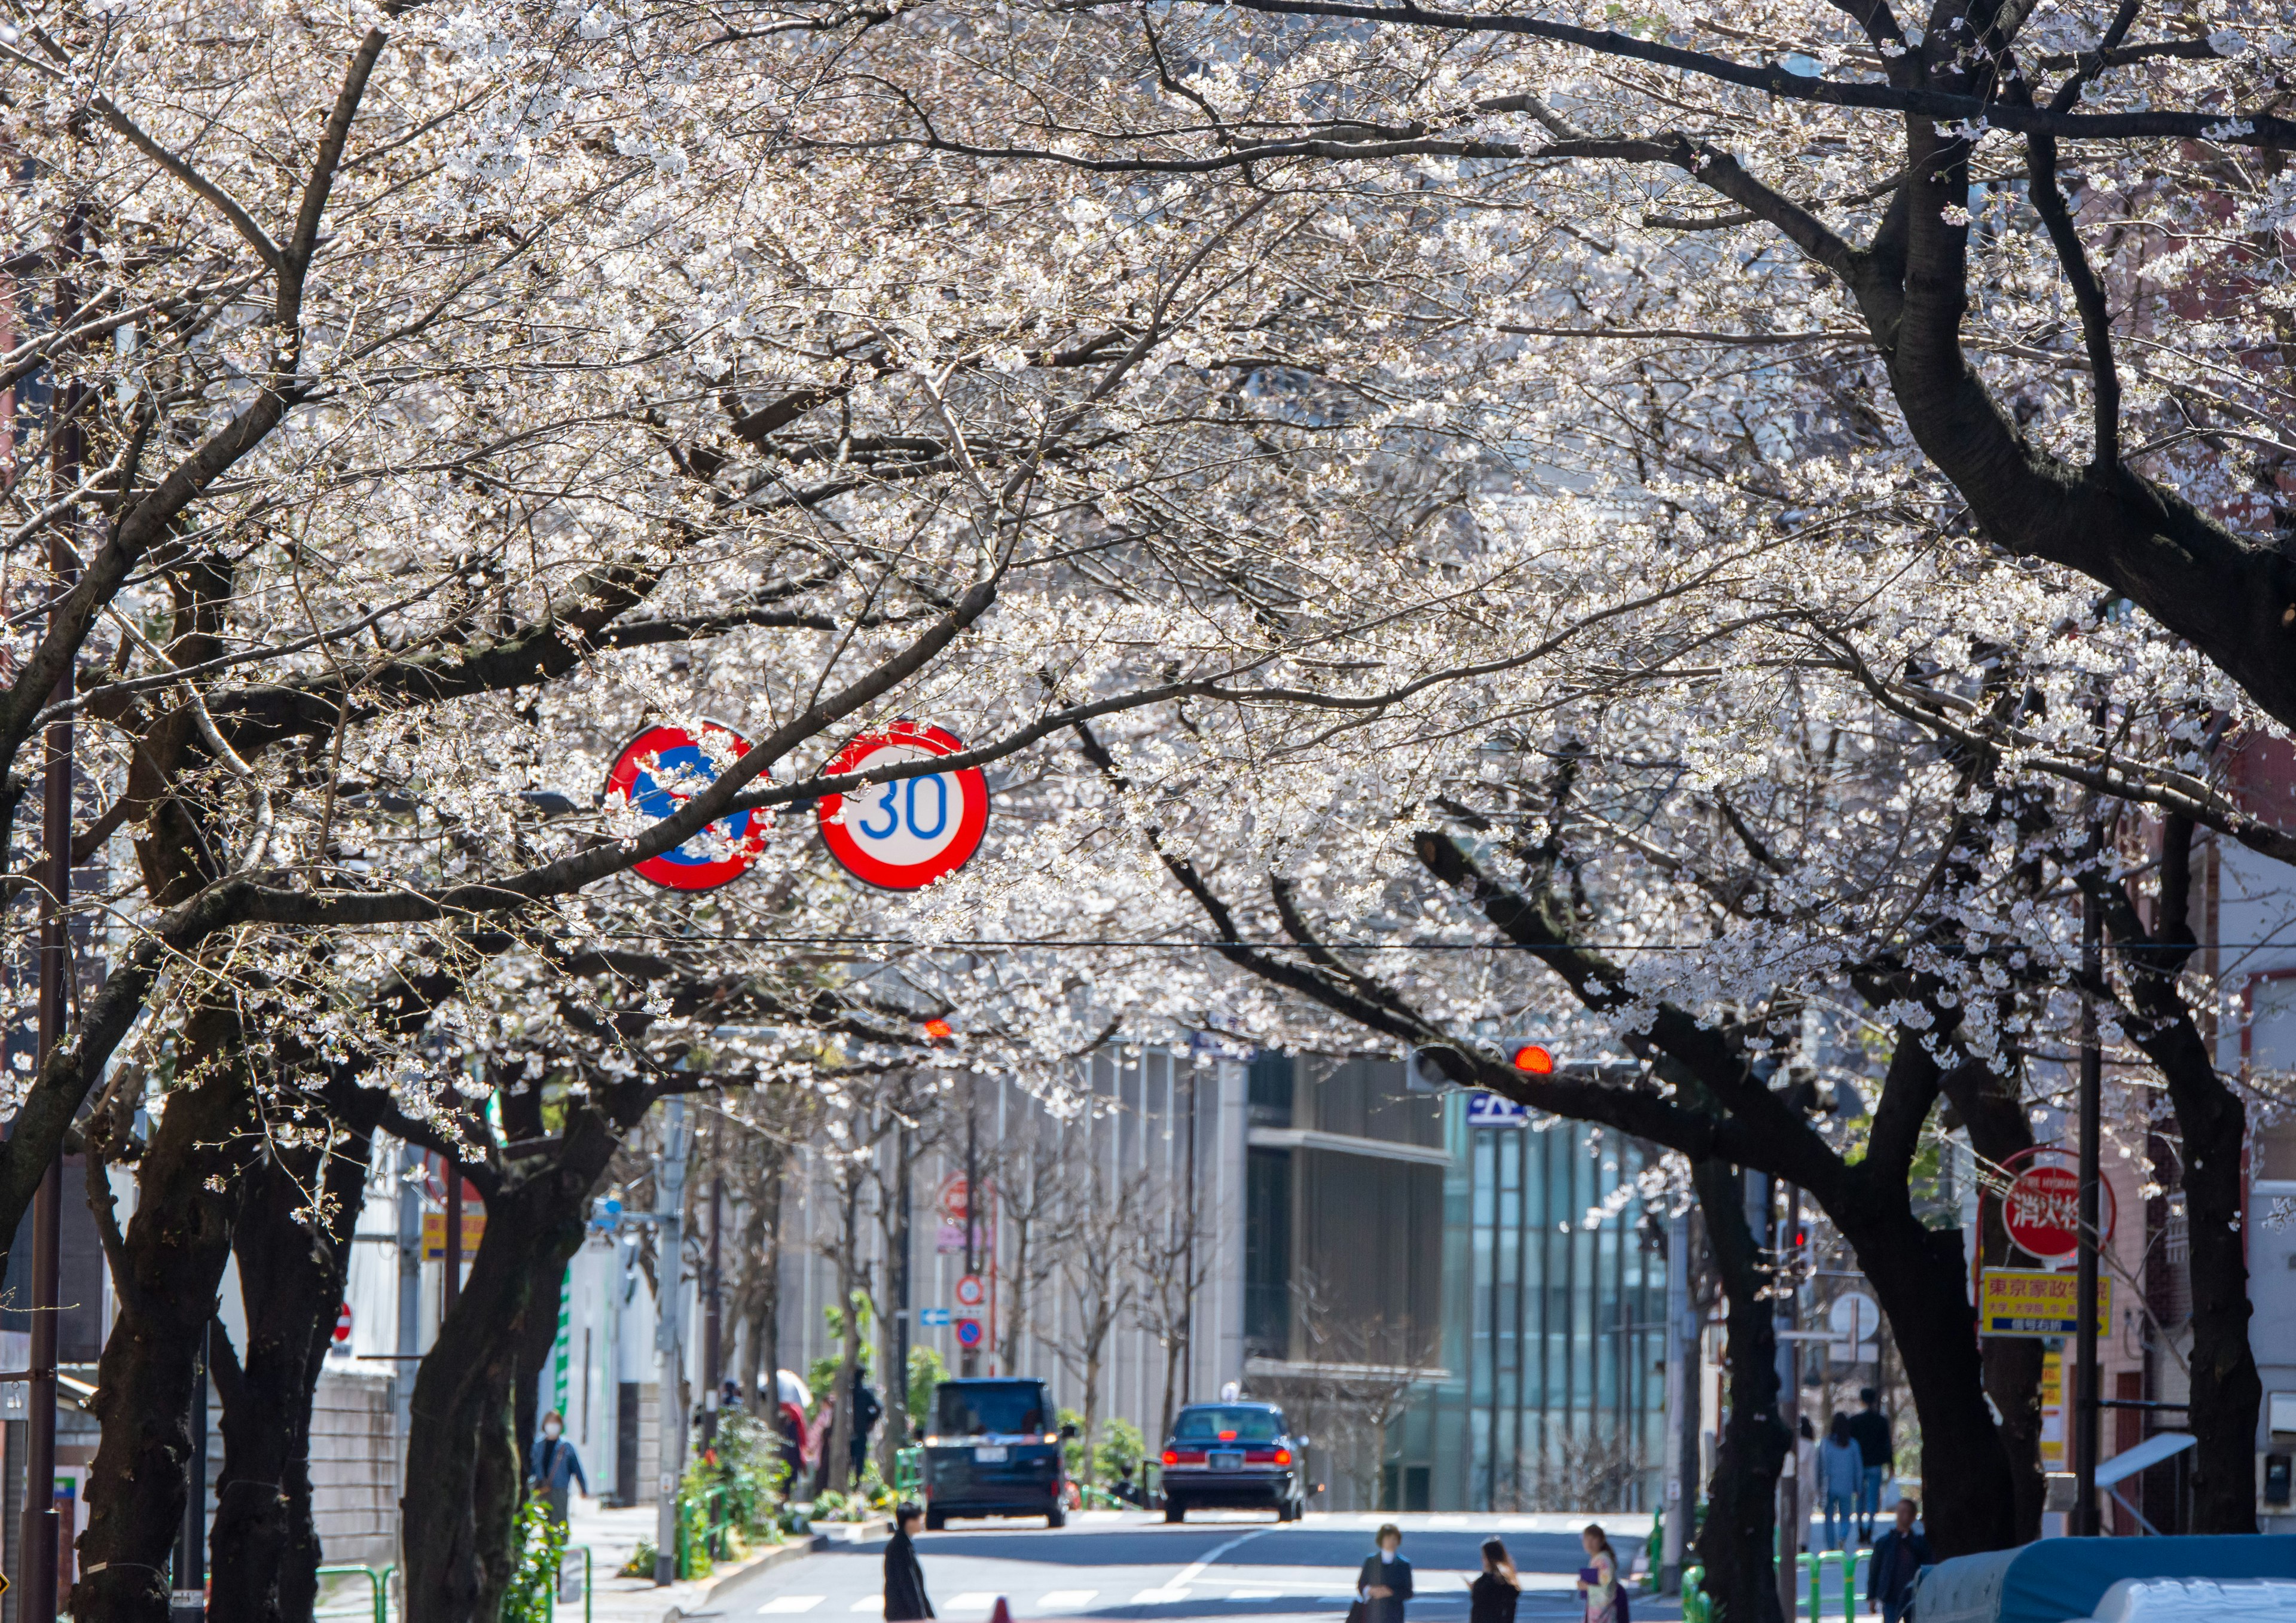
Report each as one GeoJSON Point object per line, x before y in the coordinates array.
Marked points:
{"type": "Point", "coordinates": [662, 768]}
{"type": "Point", "coordinates": [904, 834]}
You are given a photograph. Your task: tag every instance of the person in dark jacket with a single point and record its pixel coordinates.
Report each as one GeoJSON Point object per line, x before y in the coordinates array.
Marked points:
{"type": "Point", "coordinates": [1385, 1582]}
{"type": "Point", "coordinates": [1900, 1555]}
{"type": "Point", "coordinates": [866, 1412]}
{"type": "Point", "coordinates": [905, 1580]}
{"type": "Point", "coordinates": [554, 1465]}
{"type": "Point", "coordinates": [1869, 1428]}
{"type": "Point", "coordinates": [1492, 1597]}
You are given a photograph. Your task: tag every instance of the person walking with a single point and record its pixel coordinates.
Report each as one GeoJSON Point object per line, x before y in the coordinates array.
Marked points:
{"type": "Point", "coordinates": [553, 1465]}
{"type": "Point", "coordinates": [1900, 1555]}
{"type": "Point", "coordinates": [1598, 1580]}
{"type": "Point", "coordinates": [1492, 1597]}
{"type": "Point", "coordinates": [906, 1601]}
{"type": "Point", "coordinates": [1869, 1428]}
{"type": "Point", "coordinates": [1841, 1475]}
{"type": "Point", "coordinates": [866, 1412]}
{"type": "Point", "coordinates": [1384, 1584]}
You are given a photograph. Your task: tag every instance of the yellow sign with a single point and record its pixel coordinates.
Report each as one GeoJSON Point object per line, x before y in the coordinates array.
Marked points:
{"type": "Point", "coordinates": [2052, 1410]}
{"type": "Point", "coordinates": [434, 1234]}
{"type": "Point", "coordinates": [2036, 1302]}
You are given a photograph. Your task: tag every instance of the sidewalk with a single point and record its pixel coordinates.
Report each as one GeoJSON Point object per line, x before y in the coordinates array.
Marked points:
{"type": "Point", "coordinates": [611, 1537]}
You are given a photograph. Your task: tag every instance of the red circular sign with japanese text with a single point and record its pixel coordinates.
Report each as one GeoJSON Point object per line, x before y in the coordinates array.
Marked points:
{"type": "Point", "coordinates": [662, 768]}
{"type": "Point", "coordinates": [904, 834]}
{"type": "Point", "coordinates": [2042, 1211]}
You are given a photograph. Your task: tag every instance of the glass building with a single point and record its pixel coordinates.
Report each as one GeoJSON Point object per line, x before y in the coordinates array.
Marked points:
{"type": "Point", "coordinates": [1502, 1260]}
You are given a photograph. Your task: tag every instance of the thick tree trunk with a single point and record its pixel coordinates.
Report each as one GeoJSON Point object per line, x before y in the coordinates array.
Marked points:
{"type": "Point", "coordinates": [166, 1270]}
{"type": "Point", "coordinates": [264, 1548]}
{"type": "Point", "coordinates": [463, 1476]}
{"type": "Point", "coordinates": [762, 1294]}
{"type": "Point", "coordinates": [1738, 1543]}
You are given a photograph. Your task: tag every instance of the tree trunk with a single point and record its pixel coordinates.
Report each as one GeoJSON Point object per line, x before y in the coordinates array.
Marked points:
{"type": "Point", "coordinates": [761, 1350]}
{"type": "Point", "coordinates": [166, 1270]}
{"type": "Point", "coordinates": [849, 1362]}
{"type": "Point", "coordinates": [464, 1479]}
{"type": "Point", "coordinates": [1738, 1543]}
{"type": "Point", "coordinates": [264, 1548]}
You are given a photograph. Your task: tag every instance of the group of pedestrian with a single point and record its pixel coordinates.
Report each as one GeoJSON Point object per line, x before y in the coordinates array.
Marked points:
{"type": "Point", "coordinates": [1492, 1597]}
{"type": "Point", "coordinates": [1848, 1469]}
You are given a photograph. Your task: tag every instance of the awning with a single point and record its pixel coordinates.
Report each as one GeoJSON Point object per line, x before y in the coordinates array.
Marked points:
{"type": "Point", "coordinates": [2151, 1451]}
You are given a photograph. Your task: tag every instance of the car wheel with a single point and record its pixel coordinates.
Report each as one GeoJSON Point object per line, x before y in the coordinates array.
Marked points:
{"type": "Point", "coordinates": [935, 1521]}
{"type": "Point", "coordinates": [1057, 1517]}
{"type": "Point", "coordinates": [1283, 1510]}
{"type": "Point", "coordinates": [1174, 1511]}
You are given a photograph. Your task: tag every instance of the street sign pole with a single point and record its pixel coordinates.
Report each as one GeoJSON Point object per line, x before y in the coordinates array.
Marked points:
{"type": "Point", "coordinates": [2084, 1408]}
{"type": "Point", "coordinates": [969, 1357]}
{"type": "Point", "coordinates": [898, 1378]}
{"type": "Point", "coordinates": [670, 1338]}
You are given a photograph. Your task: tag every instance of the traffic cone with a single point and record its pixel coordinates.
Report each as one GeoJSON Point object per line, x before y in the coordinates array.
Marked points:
{"type": "Point", "coordinates": [1000, 1612]}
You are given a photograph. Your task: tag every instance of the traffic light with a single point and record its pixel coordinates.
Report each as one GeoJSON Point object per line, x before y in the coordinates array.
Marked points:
{"type": "Point", "coordinates": [1533, 1060]}
{"type": "Point", "coordinates": [1439, 1067]}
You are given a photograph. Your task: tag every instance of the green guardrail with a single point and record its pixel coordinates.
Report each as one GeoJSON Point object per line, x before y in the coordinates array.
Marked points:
{"type": "Point", "coordinates": [1697, 1605]}
{"type": "Point", "coordinates": [1812, 1566]}
{"type": "Point", "coordinates": [908, 1471]}
{"type": "Point", "coordinates": [376, 1576]}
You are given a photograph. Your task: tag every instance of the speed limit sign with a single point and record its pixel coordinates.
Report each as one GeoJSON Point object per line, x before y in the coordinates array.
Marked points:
{"type": "Point", "coordinates": [907, 833]}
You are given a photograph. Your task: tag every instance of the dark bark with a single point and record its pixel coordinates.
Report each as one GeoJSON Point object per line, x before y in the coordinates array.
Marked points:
{"type": "Point", "coordinates": [166, 1269]}
{"type": "Point", "coordinates": [293, 1250]}
{"type": "Point", "coordinates": [2212, 1126]}
{"type": "Point", "coordinates": [1738, 1543]}
{"type": "Point", "coordinates": [761, 1239]}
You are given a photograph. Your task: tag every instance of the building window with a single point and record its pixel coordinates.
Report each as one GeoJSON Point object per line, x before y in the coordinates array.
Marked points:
{"type": "Point", "coordinates": [1268, 1249]}
{"type": "Point", "coordinates": [1269, 1085]}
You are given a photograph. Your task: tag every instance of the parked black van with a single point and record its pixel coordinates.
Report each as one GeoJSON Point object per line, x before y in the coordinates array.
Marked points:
{"type": "Point", "coordinates": [993, 1449]}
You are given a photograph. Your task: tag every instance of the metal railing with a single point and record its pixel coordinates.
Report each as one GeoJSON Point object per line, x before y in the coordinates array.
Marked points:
{"type": "Point", "coordinates": [908, 1471]}
{"type": "Point", "coordinates": [1697, 1605]}
{"type": "Point", "coordinates": [377, 1578]}
{"type": "Point", "coordinates": [1814, 1565]}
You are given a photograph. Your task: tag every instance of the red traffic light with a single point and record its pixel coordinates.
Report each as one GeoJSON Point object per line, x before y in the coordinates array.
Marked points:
{"type": "Point", "coordinates": [937, 1029]}
{"type": "Point", "coordinates": [1530, 1057]}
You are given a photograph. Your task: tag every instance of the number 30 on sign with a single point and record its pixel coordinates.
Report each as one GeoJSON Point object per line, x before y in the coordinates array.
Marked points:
{"type": "Point", "coordinates": [904, 834]}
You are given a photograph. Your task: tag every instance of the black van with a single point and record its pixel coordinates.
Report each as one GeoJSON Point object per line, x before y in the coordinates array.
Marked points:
{"type": "Point", "coordinates": [993, 1449]}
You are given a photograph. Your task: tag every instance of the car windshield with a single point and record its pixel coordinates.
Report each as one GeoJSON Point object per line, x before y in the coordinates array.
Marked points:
{"type": "Point", "coordinates": [983, 1408]}
{"type": "Point", "coordinates": [1228, 1426]}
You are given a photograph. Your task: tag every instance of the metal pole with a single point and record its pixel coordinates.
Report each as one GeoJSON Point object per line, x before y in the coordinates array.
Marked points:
{"type": "Point", "coordinates": [2085, 1520]}
{"type": "Point", "coordinates": [43, 1535]}
{"type": "Point", "coordinates": [187, 1600]}
{"type": "Point", "coordinates": [1792, 1515]}
{"type": "Point", "coordinates": [898, 1378]}
{"type": "Point", "coordinates": [670, 1337]}
{"type": "Point", "coordinates": [969, 1360]}
{"type": "Point", "coordinates": [451, 1290]}
{"type": "Point", "coordinates": [1679, 1493]}
{"type": "Point", "coordinates": [712, 1323]}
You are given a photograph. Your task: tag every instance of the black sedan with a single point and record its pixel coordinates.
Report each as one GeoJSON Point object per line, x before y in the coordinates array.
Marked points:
{"type": "Point", "coordinates": [1233, 1456]}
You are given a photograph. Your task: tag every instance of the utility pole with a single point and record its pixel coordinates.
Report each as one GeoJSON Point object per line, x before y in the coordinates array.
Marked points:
{"type": "Point", "coordinates": [712, 1366]}
{"type": "Point", "coordinates": [968, 1363]}
{"type": "Point", "coordinates": [42, 1534]}
{"type": "Point", "coordinates": [2086, 1408]}
{"type": "Point", "coordinates": [669, 1335]}
{"type": "Point", "coordinates": [187, 1600]}
{"type": "Point", "coordinates": [1793, 1517]}
{"type": "Point", "coordinates": [1681, 1366]}
{"type": "Point", "coordinates": [896, 1379]}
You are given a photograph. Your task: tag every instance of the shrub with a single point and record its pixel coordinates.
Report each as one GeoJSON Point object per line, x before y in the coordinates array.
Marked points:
{"type": "Point", "coordinates": [532, 1595]}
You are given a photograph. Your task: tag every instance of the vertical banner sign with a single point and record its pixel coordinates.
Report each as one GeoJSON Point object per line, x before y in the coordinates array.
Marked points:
{"type": "Point", "coordinates": [662, 768]}
{"type": "Point", "coordinates": [904, 834]}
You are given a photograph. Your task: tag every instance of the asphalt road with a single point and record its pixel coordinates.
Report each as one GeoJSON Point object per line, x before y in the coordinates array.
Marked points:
{"type": "Point", "coordinates": [1129, 1565]}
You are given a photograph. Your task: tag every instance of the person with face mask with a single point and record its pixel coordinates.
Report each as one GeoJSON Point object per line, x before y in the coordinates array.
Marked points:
{"type": "Point", "coordinates": [555, 1465]}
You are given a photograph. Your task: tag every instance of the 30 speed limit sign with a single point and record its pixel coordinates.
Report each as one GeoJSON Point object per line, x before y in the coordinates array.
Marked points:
{"type": "Point", "coordinates": [905, 833]}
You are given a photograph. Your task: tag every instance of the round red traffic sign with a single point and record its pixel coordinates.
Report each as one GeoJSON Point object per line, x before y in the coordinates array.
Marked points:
{"type": "Point", "coordinates": [342, 1324]}
{"type": "Point", "coordinates": [970, 1291]}
{"type": "Point", "coordinates": [2042, 1211]}
{"type": "Point", "coordinates": [968, 1333]}
{"type": "Point", "coordinates": [904, 834]}
{"type": "Point", "coordinates": [662, 768]}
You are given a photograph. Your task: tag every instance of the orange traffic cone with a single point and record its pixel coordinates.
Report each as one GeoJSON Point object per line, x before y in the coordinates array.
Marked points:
{"type": "Point", "coordinates": [1000, 1612]}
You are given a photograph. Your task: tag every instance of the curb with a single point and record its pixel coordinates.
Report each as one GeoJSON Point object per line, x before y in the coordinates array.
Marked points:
{"type": "Point", "coordinates": [781, 1555]}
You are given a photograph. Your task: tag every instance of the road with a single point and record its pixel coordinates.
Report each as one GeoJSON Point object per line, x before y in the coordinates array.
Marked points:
{"type": "Point", "coordinates": [1129, 1565]}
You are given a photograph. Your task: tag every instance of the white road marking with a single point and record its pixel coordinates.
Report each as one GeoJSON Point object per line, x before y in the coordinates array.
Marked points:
{"type": "Point", "coordinates": [782, 1605]}
{"type": "Point", "coordinates": [1167, 1595]}
{"type": "Point", "coordinates": [972, 1598]}
{"type": "Point", "coordinates": [869, 1603]}
{"type": "Point", "coordinates": [1196, 1569]}
{"type": "Point", "coordinates": [1066, 1600]}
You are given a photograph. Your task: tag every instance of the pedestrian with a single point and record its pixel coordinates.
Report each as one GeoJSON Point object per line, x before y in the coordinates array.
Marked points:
{"type": "Point", "coordinates": [1598, 1580]}
{"type": "Point", "coordinates": [1841, 1475]}
{"type": "Point", "coordinates": [866, 1412]}
{"type": "Point", "coordinates": [904, 1578]}
{"type": "Point", "coordinates": [1900, 1555]}
{"type": "Point", "coordinates": [1492, 1597]}
{"type": "Point", "coordinates": [1384, 1584]}
{"type": "Point", "coordinates": [553, 1465]}
{"type": "Point", "coordinates": [1869, 1428]}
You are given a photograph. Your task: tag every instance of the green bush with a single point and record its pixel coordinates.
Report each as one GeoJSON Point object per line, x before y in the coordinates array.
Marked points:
{"type": "Point", "coordinates": [927, 1370]}
{"type": "Point", "coordinates": [1120, 1451]}
{"type": "Point", "coordinates": [532, 1595]}
{"type": "Point", "coordinates": [640, 1563]}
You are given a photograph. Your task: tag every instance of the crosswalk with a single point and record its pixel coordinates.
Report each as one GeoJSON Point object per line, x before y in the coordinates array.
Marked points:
{"type": "Point", "coordinates": [1059, 1602]}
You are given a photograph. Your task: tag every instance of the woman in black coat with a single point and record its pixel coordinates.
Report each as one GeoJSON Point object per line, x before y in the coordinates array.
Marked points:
{"type": "Point", "coordinates": [1492, 1597]}
{"type": "Point", "coordinates": [905, 1580]}
{"type": "Point", "coordinates": [1385, 1582]}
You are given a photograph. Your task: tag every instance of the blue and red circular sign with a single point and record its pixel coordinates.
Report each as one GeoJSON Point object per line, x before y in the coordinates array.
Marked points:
{"type": "Point", "coordinates": [662, 768]}
{"type": "Point", "coordinates": [968, 1333]}
{"type": "Point", "coordinates": [904, 834]}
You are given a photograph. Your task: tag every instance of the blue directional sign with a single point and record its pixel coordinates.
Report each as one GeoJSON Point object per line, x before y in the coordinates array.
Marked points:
{"type": "Point", "coordinates": [1490, 1111]}
{"type": "Point", "coordinates": [932, 1318]}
